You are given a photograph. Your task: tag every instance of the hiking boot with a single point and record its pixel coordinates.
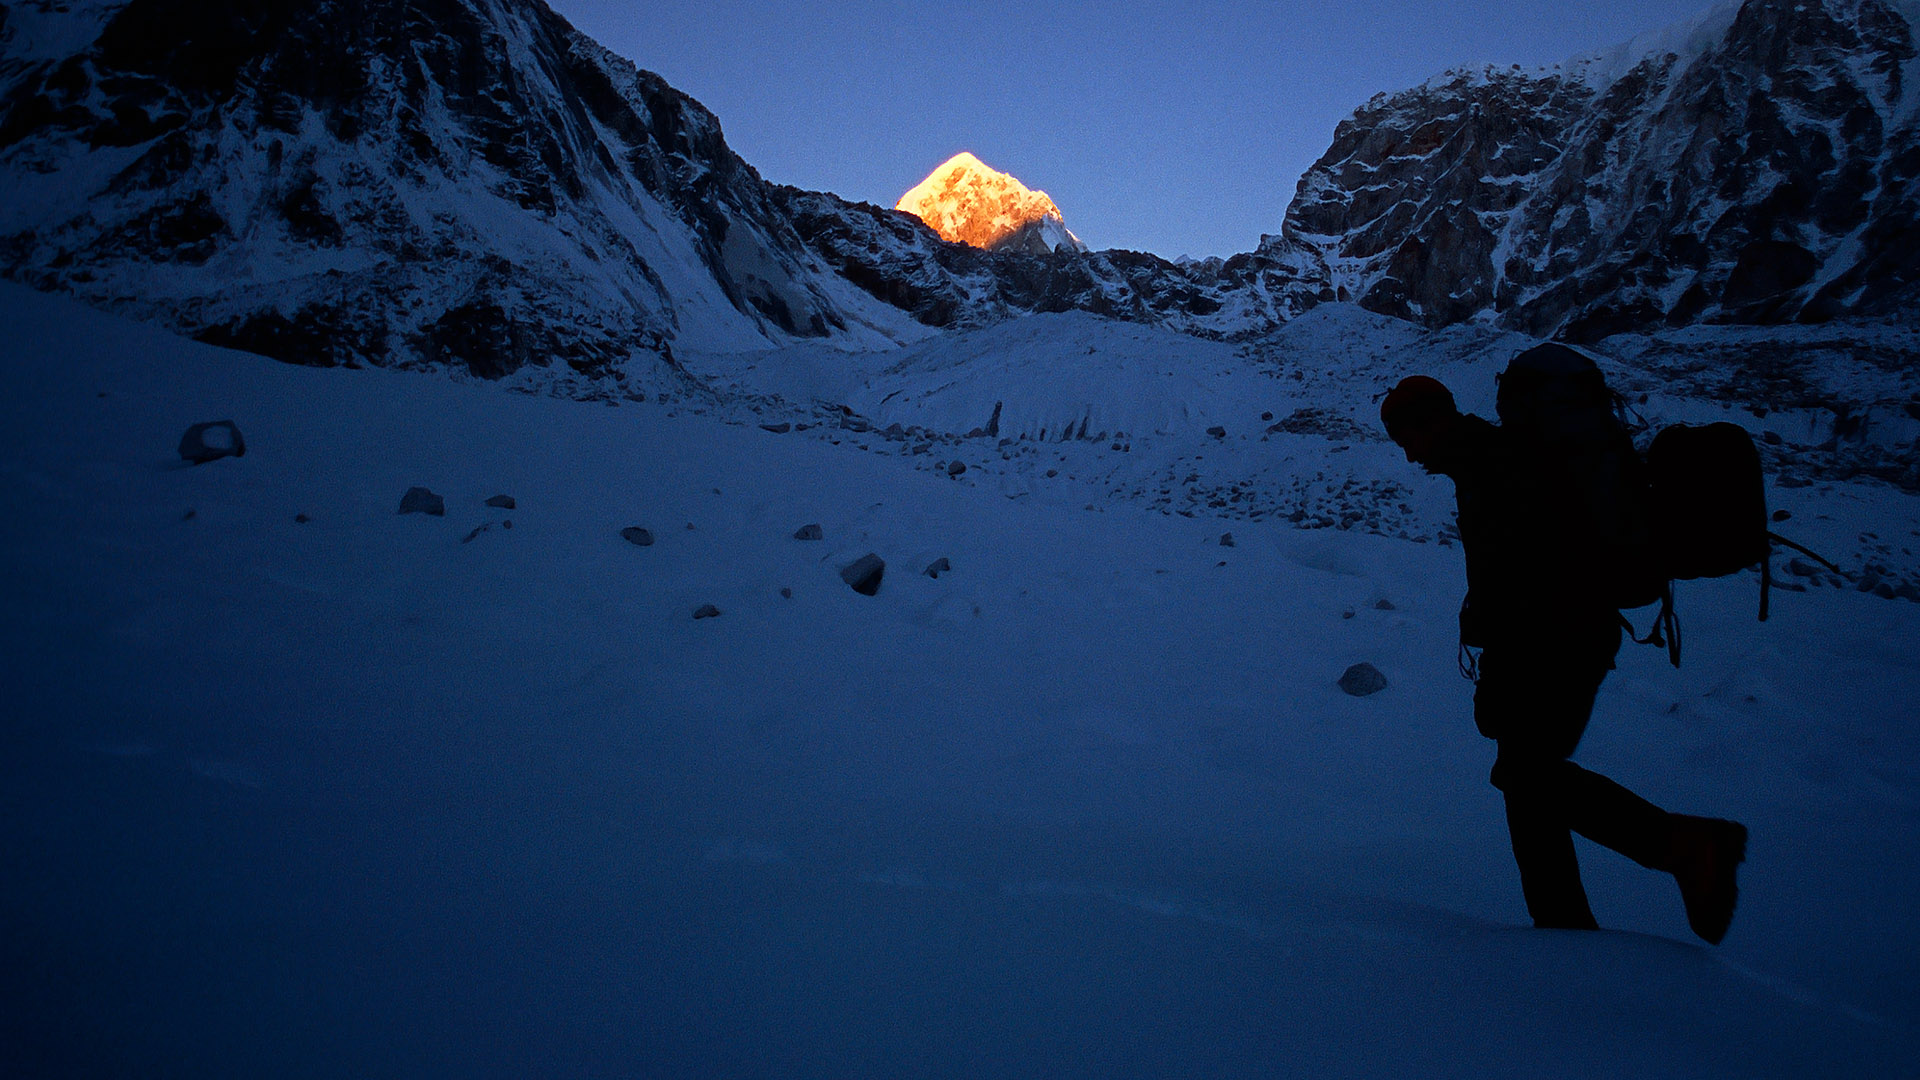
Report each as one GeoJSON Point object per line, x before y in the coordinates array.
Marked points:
{"type": "Point", "coordinates": [1703, 856]}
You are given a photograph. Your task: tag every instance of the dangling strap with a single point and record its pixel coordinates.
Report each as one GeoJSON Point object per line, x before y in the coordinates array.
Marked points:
{"type": "Point", "coordinates": [1469, 663]}
{"type": "Point", "coordinates": [1766, 566]}
{"type": "Point", "coordinates": [1665, 629]}
{"type": "Point", "coordinates": [1805, 550]}
{"type": "Point", "coordinates": [1766, 583]}
{"type": "Point", "coordinates": [1670, 622]}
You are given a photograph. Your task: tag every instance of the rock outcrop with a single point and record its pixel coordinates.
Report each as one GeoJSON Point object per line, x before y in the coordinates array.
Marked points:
{"type": "Point", "coordinates": [1757, 165]}
{"type": "Point", "coordinates": [469, 183]}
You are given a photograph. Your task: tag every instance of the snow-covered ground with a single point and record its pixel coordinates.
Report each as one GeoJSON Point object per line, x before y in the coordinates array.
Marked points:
{"type": "Point", "coordinates": [381, 795]}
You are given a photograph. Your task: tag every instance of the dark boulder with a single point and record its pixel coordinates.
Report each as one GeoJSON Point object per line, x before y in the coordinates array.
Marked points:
{"type": "Point", "coordinates": [864, 574]}
{"type": "Point", "coordinates": [419, 500]}
{"type": "Point", "coordinates": [1363, 679]}
{"type": "Point", "coordinates": [211, 442]}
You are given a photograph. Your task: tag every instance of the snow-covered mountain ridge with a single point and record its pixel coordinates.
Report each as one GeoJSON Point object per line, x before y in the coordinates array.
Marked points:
{"type": "Point", "coordinates": [468, 182]}
{"type": "Point", "coordinates": [1759, 165]}
{"type": "Point", "coordinates": [472, 183]}
{"type": "Point", "coordinates": [967, 201]}
{"type": "Point", "coordinates": [371, 190]}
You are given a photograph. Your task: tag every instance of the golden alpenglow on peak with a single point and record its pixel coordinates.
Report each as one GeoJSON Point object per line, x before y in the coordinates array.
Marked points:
{"type": "Point", "coordinates": [969, 202]}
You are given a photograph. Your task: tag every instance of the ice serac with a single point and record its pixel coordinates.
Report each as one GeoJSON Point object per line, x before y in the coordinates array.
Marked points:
{"type": "Point", "coordinates": [462, 182]}
{"type": "Point", "coordinates": [967, 201]}
{"type": "Point", "coordinates": [1758, 164]}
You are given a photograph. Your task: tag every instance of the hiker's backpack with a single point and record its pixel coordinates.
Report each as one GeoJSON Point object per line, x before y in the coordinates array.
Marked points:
{"type": "Point", "coordinates": [1694, 507]}
{"type": "Point", "coordinates": [1709, 498]}
{"type": "Point", "coordinates": [1555, 402]}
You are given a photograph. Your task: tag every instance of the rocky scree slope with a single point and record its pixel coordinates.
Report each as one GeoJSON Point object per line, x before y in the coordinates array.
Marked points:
{"type": "Point", "coordinates": [467, 182]}
{"type": "Point", "coordinates": [1756, 166]}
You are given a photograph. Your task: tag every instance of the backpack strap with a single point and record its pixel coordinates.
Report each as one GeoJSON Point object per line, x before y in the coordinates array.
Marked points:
{"type": "Point", "coordinates": [1766, 582]}
{"type": "Point", "coordinates": [1665, 629]}
{"type": "Point", "coordinates": [1766, 566]}
{"type": "Point", "coordinates": [1469, 663]}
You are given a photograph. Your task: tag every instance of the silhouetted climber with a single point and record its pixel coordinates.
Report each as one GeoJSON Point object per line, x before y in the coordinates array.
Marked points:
{"type": "Point", "coordinates": [1548, 631]}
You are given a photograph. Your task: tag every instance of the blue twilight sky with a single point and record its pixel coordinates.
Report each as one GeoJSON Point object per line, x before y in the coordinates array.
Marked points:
{"type": "Point", "coordinates": [1175, 128]}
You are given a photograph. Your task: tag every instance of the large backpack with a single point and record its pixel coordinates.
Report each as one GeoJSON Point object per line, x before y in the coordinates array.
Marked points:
{"type": "Point", "coordinates": [1709, 498]}
{"type": "Point", "coordinates": [1694, 507]}
{"type": "Point", "coordinates": [1555, 402]}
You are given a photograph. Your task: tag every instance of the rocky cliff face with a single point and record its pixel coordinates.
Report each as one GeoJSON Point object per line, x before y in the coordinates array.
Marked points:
{"type": "Point", "coordinates": [1757, 166]}
{"type": "Point", "coordinates": [468, 182]}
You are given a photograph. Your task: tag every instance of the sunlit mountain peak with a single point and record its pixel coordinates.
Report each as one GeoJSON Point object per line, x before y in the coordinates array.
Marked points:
{"type": "Point", "coordinates": [967, 201]}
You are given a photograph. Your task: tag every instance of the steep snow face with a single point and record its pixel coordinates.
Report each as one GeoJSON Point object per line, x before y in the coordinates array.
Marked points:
{"type": "Point", "coordinates": [967, 201]}
{"type": "Point", "coordinates": [467, 182]}
{"type": "Point", "coordinates": [1756, 165]}
{"type": "Point", "coordinates": [1686, 41]}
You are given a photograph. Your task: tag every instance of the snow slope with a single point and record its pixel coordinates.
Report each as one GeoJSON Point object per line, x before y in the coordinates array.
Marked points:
{"type": "Point", "coordinates": [381, 795]}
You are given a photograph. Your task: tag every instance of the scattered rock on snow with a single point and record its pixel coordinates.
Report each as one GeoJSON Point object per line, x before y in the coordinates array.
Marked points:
{"type": "Point", "coordinates": [788, 593]}
{"type": "Point", "coordinates": [706, 611]}
{"type": "Point", "coordinates": [1363, 679]}
{"type": "Point", "coordinates": [938, 566]}
{"type": "Point", "coordinates": [1226, 539]}
{"type": "Point", "coordinates": [1217, 432]}
{"type": "Point", "coordinates": [503, 502]}
{"type": "Point", "coordinates": [637, 535]}
{"type": "Point", "coordinates": [956, 468]}
{"type": "Point", "coordinates": [301, 519]}
{"type": "Point", "coordinates": [777, 429]}
{"type": "Point", "coordinates": [478, 529]}
{"type": "Point", "coordinates": [419, 500]}
{"type": "Point", "coordinates": [809, 532]}
{"type": "Point", "coordinates": [211, 442]}
{"type": "Point", "coordinates": [864, 574]}
{"type": "Point", "coordinates": [1384, 605]}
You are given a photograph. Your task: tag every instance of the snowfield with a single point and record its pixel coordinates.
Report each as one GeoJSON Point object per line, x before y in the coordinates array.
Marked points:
{"type": "Point", "coordinates": [378, 795]}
